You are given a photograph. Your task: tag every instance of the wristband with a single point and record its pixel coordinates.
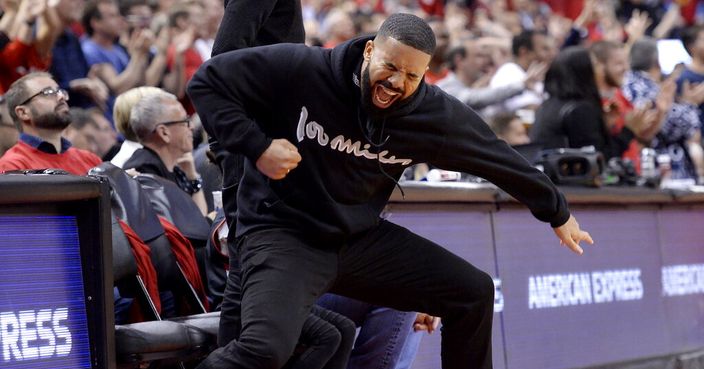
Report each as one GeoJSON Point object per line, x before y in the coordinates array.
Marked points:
{"type": "Point", "coordinates": [195, 185]}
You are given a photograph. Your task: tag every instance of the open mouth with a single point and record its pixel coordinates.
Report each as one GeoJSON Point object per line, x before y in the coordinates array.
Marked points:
{"type": "Point", "coordinates": [383, 97]}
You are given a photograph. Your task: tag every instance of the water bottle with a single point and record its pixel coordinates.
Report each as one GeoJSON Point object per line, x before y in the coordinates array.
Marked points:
{"type": "Point", "coordinates": [648, 169]}
{"type": "Point", "coordinates": [664, 166]}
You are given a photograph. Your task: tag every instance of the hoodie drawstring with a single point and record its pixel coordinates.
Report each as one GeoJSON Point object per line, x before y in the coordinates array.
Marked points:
{"type": "Point", "coordinates": [378, 146]}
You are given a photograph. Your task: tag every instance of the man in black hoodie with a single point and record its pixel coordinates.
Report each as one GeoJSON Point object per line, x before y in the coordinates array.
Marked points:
{"type": "Point", "coordinates": [247, 23]}
{"type": "Point", "coordinates": [308, 219]}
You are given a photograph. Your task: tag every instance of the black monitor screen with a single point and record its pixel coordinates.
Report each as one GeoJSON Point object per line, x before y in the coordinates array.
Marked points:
{"type": "Point", "coordinates": [55, 285]}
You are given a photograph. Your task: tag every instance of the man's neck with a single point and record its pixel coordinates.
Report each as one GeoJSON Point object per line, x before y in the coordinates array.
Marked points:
{"type": "Point", "coordinates": [603, 87]}
{"type": "Point", "coordinates": [607, 92]}
{"type": "Point", "coordinates": [164, 154]}
{"type": "Point", "coordinates": [655, 74]}
{"type": "Point", "coordinates": [697, 65]}
{"type": "Point", "coordinates": [466, 80]}
{"type": "Point", "coordinates": [65, 22]}
{"type": "Point", "coordinates": [523, 63]}
{"type": "Point", "coordinates": [53, 137]}
{"type": "Point", "coordinates": [102, 40]}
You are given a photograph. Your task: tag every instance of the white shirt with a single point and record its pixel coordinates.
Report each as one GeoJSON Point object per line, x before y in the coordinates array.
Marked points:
{"type": "Point", "coordinates": [126, 150]}
{"type": "Point", "coordinates": [204, 48]}
{"type": "Point", "coordinates": [510, 73]}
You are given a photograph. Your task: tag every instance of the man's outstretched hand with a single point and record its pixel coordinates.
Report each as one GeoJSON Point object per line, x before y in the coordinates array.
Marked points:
{"type": "Point", "coordinates": [570, 235]}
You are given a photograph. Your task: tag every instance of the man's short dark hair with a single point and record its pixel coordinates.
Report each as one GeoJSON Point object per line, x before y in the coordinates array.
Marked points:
{"type": "Point", "coordinates": [92, 12]}
{"type": "Point", "coordinates": [18, 93]}
{"type": "Point", "coordinates": [501, 122]}
{"type": "Point", "coordinates": [522, 40]}
{"type": "Point", "coordinates": [126, 5]}
{"type": "Point", "coordinates": [601, 50]}
{"type": "Point", "coordinates": [455, 52]}
{"type": "Point", "coordinates": [179, 11]}
{"type": "Point", "coordinates": [410, 30]}
{"type": "Point", "coordinates": [81, 117]}
{"type": "Point", "coordinates": [643, 54]}
{"type": "Point", "coordinates": [689, 36]}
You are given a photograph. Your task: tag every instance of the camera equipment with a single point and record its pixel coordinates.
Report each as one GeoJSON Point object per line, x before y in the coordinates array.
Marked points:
{"type": "Point", "coordinates": [581, 167]}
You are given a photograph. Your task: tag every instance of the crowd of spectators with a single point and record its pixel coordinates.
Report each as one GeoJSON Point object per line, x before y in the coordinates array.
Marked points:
{"type": "Point", "coordinates": [496, 56]}
{"type": "Point", "coordinates": [557, 73]}
{"type": "Point", "coordinates": [492, 55]}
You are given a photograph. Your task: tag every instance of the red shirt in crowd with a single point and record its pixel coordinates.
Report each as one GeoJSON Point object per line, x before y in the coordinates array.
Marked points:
{"type": "Point", "coordinates": [622, 106]}
{"type": "Point", "coordinates": [18, 59]}
{"type": "Point", "coordinates": [24, 156]}
{"type": "Point", "coordinates": [191, 62]}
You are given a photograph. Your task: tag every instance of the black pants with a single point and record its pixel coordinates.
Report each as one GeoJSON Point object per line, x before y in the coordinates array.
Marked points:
{"type": "Point", "coordinates": [283, 275]}
{"type": "Point", "coordinates": [326, 341]}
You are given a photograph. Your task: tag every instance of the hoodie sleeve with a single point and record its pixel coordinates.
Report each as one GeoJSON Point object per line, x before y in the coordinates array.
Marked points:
{"type": "Point", "coordinates": [231, 89]}
{"type": "Point", "coordinates": [471, 147]}
{"type": "Point", "coordinates": [241, 23]}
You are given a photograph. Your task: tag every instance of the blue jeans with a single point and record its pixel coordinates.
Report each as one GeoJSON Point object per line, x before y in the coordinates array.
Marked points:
{"type": "Point", "coordinates": [386, 338]}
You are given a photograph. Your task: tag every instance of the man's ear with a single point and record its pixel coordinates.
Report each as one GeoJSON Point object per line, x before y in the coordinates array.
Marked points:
{"type": "Point", "coordinates": [596, 65]}
{"type": "Point", "coordinates": [22, 112]}
{"type": "Point", "coordinates": [163, 133]}
{"type": "Point", "coordinates": [368, 49]}
{"type": "Point", "coordinates": [94, 22]}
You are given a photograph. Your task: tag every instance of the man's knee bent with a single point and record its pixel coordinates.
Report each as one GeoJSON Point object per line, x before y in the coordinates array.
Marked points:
{"type": "Point", "coordinates": [478, 288]}
{"type": "Point", "coordinates": [270, 354]}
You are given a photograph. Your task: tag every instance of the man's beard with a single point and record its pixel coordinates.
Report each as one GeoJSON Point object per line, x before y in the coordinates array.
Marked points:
{"type": "Point", "coordinates": [54, 120]}
{"type": "Point", "coordinates": [374, 111]}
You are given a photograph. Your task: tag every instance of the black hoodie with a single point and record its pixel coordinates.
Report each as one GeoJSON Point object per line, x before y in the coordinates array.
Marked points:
{"type": "Point", "coordinates": [311, 97]}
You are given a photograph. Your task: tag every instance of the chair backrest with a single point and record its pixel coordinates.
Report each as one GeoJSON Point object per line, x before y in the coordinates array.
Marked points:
{"type": "Point", "coordinates": [169, 201]}
{"type": "Point", "coordinates": [123, 264]}
{"type": "Point", "coordinates": [173, 281]}
{"type": "Point", "coordinates": [142, 204]}
{"type": "Point", "coordinates": [131, 204]}
{"type": "Point", "coordinates": [126, 277]}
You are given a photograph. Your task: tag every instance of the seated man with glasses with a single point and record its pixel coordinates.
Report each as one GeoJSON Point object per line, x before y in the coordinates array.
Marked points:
{"type": "Point", "coordinates": [8, 131]}
{"type": "Point", "coordinates": [39, 110]}
{"type": "Point", "coordinates": [162, 126]}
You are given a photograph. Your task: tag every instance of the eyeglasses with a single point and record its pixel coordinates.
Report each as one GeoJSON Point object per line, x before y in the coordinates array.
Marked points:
{"type": "Point", "coordinates": [186, 120]}
{"type": "Point", "coordinates": [49, 91]}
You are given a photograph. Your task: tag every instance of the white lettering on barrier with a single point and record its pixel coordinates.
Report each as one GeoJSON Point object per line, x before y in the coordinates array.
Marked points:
{"type": "Point", "coordinates": [617, 285]}
{"type": "Point", "coordinates": [34, 334]}
{"type": "Point", "coordinates": [556, 290]}
{"type": "Point", "coordinates": [681, 280]}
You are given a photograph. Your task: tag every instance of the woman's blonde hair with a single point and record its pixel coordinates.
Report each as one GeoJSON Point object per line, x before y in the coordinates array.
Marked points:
{"type": "Point", "coordinates": [123, 106]}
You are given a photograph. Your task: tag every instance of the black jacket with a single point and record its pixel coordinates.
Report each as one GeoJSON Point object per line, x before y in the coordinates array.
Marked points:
{"type": "Point", "coordinates": [146, 161]}
{"type": "Point", "coordinates": [576, 123]}
{"type": "Point", "coordinates": [310, 96]}
{"type": "Point", "coordinates": [248, 23]}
